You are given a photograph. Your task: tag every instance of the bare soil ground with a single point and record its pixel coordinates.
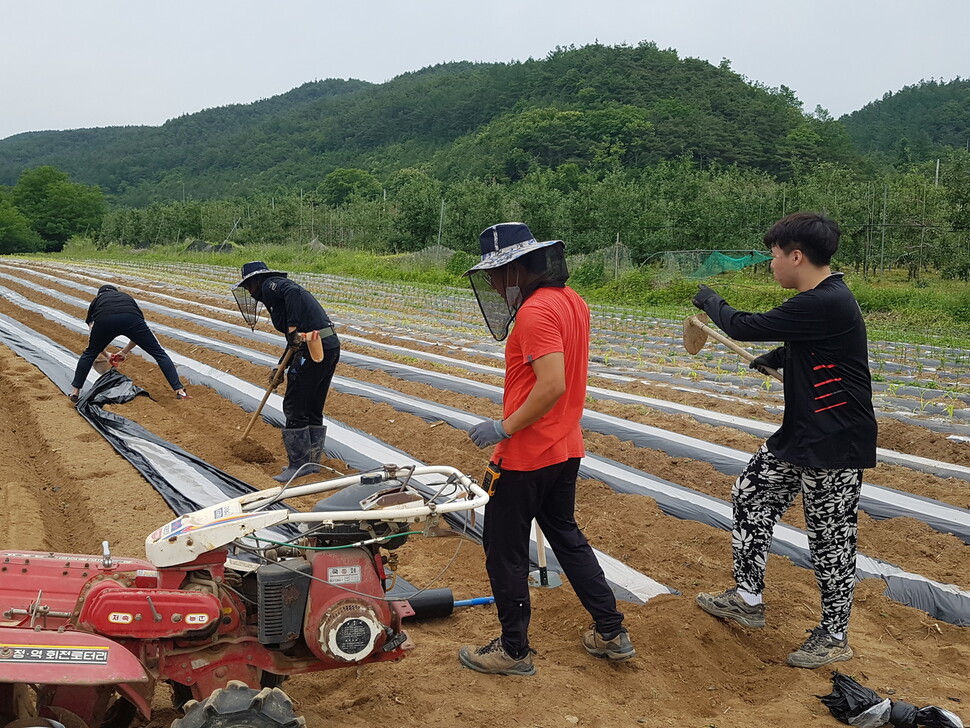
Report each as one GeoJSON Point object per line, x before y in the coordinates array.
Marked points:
{"type": "Point", "coordinates": [64, 489]}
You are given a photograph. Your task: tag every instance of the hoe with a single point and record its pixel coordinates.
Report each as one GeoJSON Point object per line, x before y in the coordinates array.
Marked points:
{"type": "Point", "coordinates": [230, 601]}
{"type": "Point", "coordinates": [696, 331]}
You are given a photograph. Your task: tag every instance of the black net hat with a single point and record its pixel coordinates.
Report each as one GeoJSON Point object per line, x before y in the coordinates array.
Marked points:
{"type": "Point", "coordinates": [514, 264]}
{"type": "Point", "coordinates": [257, 268]}
{"type": "Point", "coordinates": [249, 306]}
{"type": "Point", "coordinates": [503, 243]}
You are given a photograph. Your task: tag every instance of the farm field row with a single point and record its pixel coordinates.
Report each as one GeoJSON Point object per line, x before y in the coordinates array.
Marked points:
{"type": "Point", "coordinates": [742, 674]}
{"type": "Point", "coordinates": [621, 336]}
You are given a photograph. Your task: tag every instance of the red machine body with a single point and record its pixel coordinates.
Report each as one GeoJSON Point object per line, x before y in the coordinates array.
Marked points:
{"type": "Point", "coordinates": [347, 618]}
{"type": "Point", "coordinates": [61, 580]}
{"type": "Point", "coordinates": [83, 626]}
{"type": "Point", "coordinates": [41, 597]}
{"type": "Point", "coordinates": [147, 613]}
{"type": "Point", "coordinates": [85, 639]}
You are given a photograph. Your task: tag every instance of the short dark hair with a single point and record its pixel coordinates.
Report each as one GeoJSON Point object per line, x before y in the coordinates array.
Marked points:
{"type": "Point", "coordinates": [816, 235]}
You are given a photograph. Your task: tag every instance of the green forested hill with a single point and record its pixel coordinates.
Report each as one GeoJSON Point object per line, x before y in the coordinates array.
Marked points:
{"type": "Point", "coordinates": [915, 122]}
{"type": "Point", "coordinates": [597, 107]}
{"type": "Point", "coordinates": [122, 158]}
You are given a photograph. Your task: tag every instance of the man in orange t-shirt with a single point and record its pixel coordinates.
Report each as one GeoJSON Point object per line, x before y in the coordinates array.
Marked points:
{"type": "Point", "coordinates": [539, 442]}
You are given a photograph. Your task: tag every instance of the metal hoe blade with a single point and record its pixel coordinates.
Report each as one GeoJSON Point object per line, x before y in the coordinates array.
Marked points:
{"type": "Point", "coordinates": [694, 336]}
{"type": "Point", "coordinates": [696, 331]}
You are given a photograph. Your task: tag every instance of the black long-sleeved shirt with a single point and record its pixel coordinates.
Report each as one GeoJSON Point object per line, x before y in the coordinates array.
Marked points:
{"type": "Point", "coordinates": [110, 300]}
{"type": "Point", "coordinates": [828, 421]}
{"type": "Point", "coordinates": [290, 304]}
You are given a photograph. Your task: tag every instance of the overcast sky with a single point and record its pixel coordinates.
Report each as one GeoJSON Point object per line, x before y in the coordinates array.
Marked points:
{"type": "Point", "coordinates": [71, 63]}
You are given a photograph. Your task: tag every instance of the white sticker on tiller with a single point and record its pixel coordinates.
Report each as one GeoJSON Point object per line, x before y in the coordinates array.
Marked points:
{"type": "Point", "coordinates": [120, 618]}
{"type": "Point", "coordinates": [200, 618]}
{"type": "Point", "coordinates": [343, 574]}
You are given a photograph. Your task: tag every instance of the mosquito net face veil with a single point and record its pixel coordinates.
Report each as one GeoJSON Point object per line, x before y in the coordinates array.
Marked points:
{"type": "Point", "coordinates": [513, 265]}
{"type": "Point", "coordinates": [252, 274]}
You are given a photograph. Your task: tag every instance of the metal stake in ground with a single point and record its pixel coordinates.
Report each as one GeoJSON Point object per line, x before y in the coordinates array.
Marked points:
{"type": "Point", "coordinates": [542, 578]}
{"type": "Point", "coordinates": [696, 332]}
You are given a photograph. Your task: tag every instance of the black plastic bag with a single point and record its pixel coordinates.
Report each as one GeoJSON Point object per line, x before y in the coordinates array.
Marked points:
{"type": "Point", "coordinates": [935, 717]}
{"type": "Point", "coordinates": [855, 704]}
{"type": "Point", "coordinates": [848, 698]}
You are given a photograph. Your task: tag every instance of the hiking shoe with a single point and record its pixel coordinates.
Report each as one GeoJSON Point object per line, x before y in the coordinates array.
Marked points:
{"type": "Point", "coordinates": [819, 649]}
{"type": "Point", "coordinates": [729, 605]}
{"type": "Point", "coordinates": [493, 659]}
{"type": "Point", "coordinates": [183, 395]}
{"type": "Point", "coordinates": [617, 649]}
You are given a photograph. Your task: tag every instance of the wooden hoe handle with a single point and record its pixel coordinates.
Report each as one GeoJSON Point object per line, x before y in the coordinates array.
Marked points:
{"type": "Point", "coordinates": [273, 385]}
{"type": "Point", "coordinates": [733, 346]}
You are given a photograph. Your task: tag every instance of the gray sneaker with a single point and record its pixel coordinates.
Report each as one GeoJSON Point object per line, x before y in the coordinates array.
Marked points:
{"type": "Point", "coordinates": [819, 649]}
{"type": "Point", "coordinates": [616, 650]}
{"type": "Point", "coordinates": [493, 659]}
{"type": "Point", "coordinates": [729, 605]}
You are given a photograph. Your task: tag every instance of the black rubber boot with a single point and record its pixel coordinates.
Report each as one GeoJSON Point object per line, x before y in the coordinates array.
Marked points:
{"type": "Point", "coordinates": [297, 444]}
{"type": "Point", "coordinates": [318, 436]}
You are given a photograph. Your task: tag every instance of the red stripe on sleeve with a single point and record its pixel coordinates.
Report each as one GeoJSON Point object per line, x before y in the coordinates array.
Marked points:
{"type": "Point", "coordinates": [829, 381]}
{"type": "Point", "coordinates": [822, 409]}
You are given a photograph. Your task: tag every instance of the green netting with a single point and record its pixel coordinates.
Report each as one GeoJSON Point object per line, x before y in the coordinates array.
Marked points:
{"type": "Point", "coordinates": [718, 262]}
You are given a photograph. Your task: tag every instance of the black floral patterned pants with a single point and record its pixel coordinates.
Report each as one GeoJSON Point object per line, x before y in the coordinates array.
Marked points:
{"type": "Point", "coordinates": [764, 491]}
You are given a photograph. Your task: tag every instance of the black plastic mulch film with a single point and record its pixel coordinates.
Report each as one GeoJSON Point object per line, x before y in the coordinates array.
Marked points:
{"type": "Point", "coordinates": [877, 501]}
{"type": "Point", "coordinates": [165, 466]}
{"type": "Point", "coordinates": [945, 602]}
{"type": "Point", "coordinates": [160, 462]}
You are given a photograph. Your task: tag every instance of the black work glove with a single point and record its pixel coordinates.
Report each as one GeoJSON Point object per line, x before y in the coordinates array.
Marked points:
{"type": "Point", "coordinates": [272, 378]}
{"type": "Point", "coordinates": [761, 364]}
{"type": "Point", "coordinates": [703, 295]}
{"type": "Point", "coordinates": [294, 340]}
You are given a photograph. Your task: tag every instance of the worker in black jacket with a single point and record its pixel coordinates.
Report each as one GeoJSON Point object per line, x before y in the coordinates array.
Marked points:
{"type": "Point", "coordinates": [827, 435]}
{"type": "Point", "coordinates": [113, 313]}
{"type": "Point", "coordinates": [296, 313]}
